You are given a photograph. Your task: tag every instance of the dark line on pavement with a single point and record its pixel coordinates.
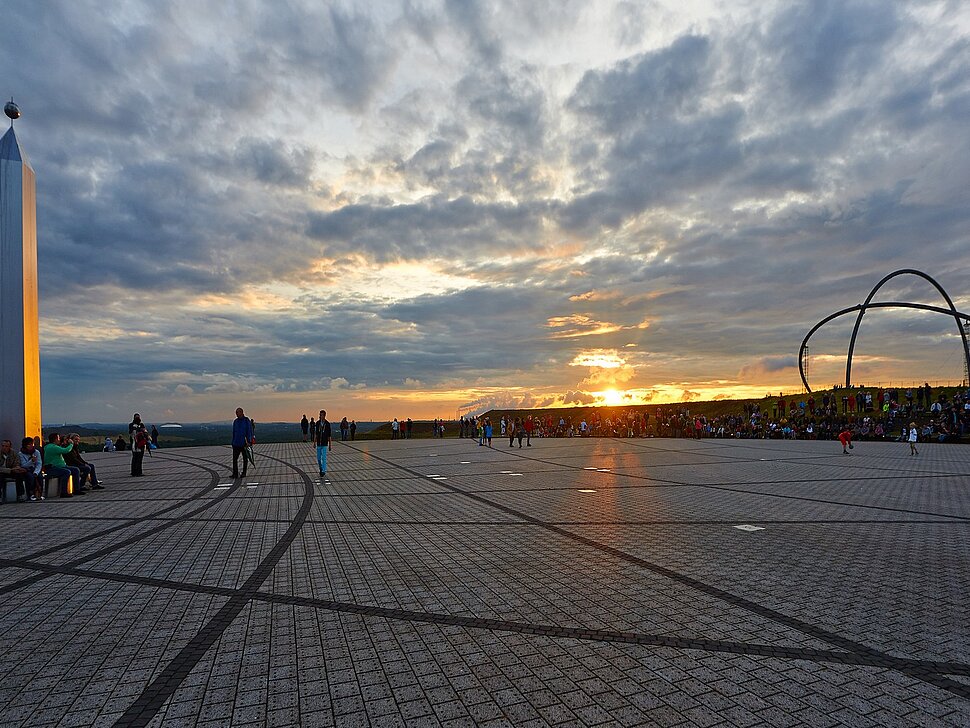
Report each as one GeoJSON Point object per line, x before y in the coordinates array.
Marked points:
{"type": "Point", "coordinates": [153, 697]}
{"type": "Point", "coordinates": [774, 615]}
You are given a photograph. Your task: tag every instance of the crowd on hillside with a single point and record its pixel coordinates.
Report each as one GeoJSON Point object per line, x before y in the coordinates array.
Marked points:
{"type": "Point", "coordinates": [868, 413]}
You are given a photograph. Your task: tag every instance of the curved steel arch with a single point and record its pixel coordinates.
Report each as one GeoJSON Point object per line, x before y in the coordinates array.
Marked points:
{"type": "Point", "coordinates": [880, 304]}
{"type": "Point", "coordinates": [865, 306]}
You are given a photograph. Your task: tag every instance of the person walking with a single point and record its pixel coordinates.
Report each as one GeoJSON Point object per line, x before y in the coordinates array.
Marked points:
{"type": "Point", "coordinates": [324, 441]}
{"type": "Point", "coordinates": [242, 437]}
{"type": "Point", "coordinates": [913, 435]}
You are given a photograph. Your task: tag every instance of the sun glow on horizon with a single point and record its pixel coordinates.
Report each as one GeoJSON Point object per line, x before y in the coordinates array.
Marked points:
{"type": "Point", "coordinates": [612, 397]}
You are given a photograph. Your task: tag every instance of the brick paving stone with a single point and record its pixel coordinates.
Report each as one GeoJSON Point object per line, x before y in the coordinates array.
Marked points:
{"type": "Point", "coordinates": [388, 598]}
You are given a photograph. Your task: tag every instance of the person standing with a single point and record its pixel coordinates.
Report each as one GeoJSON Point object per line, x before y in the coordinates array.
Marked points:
{"type": "Point", "coordinates": [134, 425]}
{"type": "Point", "coordinates": [242, 437]}
{"type": "Point", "coordinates": [913, 435]}
{"type": "Point", "coordinates": [344, 429]}
{"type": "Point", "coordinates": [324, 441]}
{"type": "Point", "coordinates": [154, 436]}
{"type": "Point", "coordinates": [353, 429]}
{"type": "Point", "coordinates": [305, 426]}
{"type": "Point", "coordinates": [313, 430]}
{"type": "Point", "coordinates": [529, 426]}
{"type": "Point", "coordinates": [139, 443]}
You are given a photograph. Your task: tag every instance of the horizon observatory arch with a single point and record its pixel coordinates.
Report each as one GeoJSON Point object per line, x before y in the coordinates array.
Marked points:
{"type": "Point", "coordinates": [958, 317]}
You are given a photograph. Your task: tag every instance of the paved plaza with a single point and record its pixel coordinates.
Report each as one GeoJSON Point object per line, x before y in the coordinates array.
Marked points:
{"type": "Point", "coordinates": [435, 582]}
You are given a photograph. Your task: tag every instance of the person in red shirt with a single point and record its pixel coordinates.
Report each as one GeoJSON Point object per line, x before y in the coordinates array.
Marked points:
{"type": "Point", "coordinates": [845, 437]}
{"type": "Point", "coordinates": [529, 424]}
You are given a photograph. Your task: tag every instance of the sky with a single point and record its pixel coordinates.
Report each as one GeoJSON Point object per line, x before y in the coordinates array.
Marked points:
{"type": "Point", "coordinates": [418, 209]}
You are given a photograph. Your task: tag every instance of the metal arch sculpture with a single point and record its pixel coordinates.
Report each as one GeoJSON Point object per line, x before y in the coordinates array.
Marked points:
{"type": "Point", "coordinates": [863, 307]}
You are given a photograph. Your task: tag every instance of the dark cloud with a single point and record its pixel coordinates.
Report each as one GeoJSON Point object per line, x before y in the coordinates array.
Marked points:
{"type": "Point", "coordinates": [433, 228]}
{"type": "Point", "coordinates": [213, 201]}
{"type": "Point", "coordinates": [663, 83]}
{"type": "Point", "coordinates": [824, 44]}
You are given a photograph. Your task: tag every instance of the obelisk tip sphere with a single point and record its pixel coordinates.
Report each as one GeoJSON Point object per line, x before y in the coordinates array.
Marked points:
{"type": "Point", "coordinates": [11, 110]}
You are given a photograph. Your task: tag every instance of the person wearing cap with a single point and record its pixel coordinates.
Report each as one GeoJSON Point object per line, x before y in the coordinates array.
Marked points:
{"type": "Point", "coordinates": [913, 434]}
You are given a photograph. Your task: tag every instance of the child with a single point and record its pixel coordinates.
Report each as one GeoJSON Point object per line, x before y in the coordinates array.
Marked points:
{"type": "Point", "coordinates": [912, 439]}
{"type": "Point", "coordinates": [845, 437]}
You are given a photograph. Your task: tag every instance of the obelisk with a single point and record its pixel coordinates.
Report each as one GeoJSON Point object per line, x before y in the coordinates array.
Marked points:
{"type": "Point", "coordinates": [19, 346]}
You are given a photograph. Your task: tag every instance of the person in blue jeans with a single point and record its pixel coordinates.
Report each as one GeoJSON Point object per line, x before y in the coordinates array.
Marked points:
{"type": "Point", "coordinates": [324, 441]}
{"type": "Point", "coordinates": [242, 437]}
{"type": "Point", "coordinates": [57, 468]}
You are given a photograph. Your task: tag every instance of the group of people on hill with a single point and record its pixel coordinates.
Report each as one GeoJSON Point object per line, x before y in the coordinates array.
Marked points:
{"type": "Point", "coordinates": [866, 413]}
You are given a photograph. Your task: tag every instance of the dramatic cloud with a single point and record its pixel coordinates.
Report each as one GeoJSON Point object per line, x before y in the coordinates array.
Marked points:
{"type": "Point", "coordinates": [446, 206]}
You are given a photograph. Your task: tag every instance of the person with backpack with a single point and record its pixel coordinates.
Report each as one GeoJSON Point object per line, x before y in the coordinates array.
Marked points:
{"type": "Point", "coordinates": [139, 443]}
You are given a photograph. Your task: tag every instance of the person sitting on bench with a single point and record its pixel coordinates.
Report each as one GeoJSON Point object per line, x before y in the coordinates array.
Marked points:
{"type": "Point", "coordinates": [57, 468]}
{"type": "Point", "coordinates": [74, 459]}
{"type": "Point", "coordinates": [10, 469]}
{"type": "Point", "coordinates": [31, 459]}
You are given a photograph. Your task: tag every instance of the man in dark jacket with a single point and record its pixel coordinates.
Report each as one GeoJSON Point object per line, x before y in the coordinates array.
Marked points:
{"type": "Point", "coordinates": [242, 437]}
{"type": "Point", "coordinates": [87, 469]}
{"type": "Point", "coordinates": [324, 441]}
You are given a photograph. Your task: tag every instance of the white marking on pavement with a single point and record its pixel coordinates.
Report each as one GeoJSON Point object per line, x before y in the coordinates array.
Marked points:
{"type": "Point", "coordinates": [586, 490]}
{"type": "Point", "coordinates": [748, 527]}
